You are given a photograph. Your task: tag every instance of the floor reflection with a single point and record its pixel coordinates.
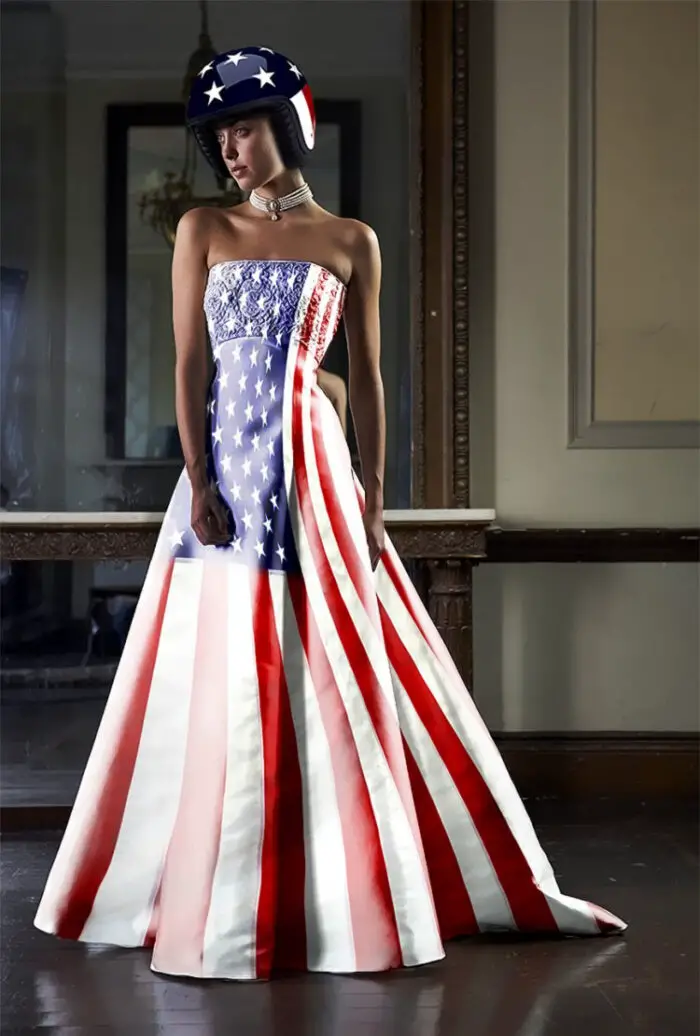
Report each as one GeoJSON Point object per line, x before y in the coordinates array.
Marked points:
{"type": "Point", "coordinates": [647, 982]}
{"type": "Point", "coordinates": [505, 991]}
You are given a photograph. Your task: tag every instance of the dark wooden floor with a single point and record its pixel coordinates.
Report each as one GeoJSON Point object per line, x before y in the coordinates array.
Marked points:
{"type": "Point", "coordinates": [644, 983]}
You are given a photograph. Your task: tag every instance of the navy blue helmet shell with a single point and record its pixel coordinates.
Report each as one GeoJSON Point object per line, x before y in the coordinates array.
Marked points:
{"type": "Point", "coordinates": [250, 80]}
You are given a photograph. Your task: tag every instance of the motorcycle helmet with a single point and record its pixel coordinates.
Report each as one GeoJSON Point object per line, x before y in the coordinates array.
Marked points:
{"type": "Point", "coordinates": [251, 81]}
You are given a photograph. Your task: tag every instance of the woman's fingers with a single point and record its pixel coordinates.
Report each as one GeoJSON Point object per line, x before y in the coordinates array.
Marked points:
{"type": "Point", "coordinates": [210, 522]}
{"type": "Point", "coordinates": [221, 519]}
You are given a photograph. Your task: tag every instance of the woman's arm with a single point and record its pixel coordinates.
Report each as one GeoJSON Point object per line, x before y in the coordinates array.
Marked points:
{"type": "Point", "coordinates": [189, 276]}
{"type": "Point", "coordinates": [366, 387]}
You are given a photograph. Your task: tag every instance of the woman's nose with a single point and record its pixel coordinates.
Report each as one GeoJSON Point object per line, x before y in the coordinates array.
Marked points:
{"type": "Point", "coordinates": [229, 147]}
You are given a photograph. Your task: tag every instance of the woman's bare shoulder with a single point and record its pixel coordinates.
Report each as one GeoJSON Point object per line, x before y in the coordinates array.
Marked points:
{"type": "Point", "coordinates": [362, 248]}
{"type": "Point", "coordinates": [209, 217]}
{"type": "Point", "coordinates": [351, 231]}
{"type": "Point", "coordinates": [202, 230]}
{"type": "Point", "coordinates": [356, 241]}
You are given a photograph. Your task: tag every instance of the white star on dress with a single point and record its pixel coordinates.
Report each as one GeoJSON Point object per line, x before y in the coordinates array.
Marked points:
{"type": "Point", "coordinates": [251, 306]}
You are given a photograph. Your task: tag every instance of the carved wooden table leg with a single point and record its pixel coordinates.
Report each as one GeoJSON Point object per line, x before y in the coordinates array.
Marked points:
{"type": "Point", "coordinates": [449, 604]}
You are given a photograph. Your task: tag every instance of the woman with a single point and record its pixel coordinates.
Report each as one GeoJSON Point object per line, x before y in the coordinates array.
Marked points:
{"type": "Point", "coordinates": [289, 772]}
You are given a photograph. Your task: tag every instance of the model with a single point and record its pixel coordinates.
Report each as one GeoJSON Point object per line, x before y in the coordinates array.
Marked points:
{"type": "Point", "coordinates": [289, 773]}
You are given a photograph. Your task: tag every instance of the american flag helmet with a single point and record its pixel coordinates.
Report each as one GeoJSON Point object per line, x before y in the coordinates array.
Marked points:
{"type": "Point", "coordinates": [246, 81]}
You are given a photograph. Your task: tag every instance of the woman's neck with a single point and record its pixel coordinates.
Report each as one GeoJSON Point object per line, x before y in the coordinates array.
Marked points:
{"type": "Point", "coordinates": [285, 183]}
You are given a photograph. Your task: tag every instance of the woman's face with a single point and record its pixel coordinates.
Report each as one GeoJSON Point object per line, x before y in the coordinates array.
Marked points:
{"type": "Point", "coordinates": [250, 152]}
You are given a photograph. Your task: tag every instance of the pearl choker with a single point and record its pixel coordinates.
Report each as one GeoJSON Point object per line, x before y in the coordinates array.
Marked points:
{"type": "Point", "coordinates": [273, 206]}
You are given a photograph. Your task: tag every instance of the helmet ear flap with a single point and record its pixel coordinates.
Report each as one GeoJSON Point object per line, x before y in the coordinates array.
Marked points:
{"type": "Point", "coordinates": [209, 146]}
{"type": "Point", "coordinates": [287, 136]}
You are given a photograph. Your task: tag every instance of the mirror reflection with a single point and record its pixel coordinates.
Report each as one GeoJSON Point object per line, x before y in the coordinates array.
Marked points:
{"type": "Point", "coordinates": [91, 127]}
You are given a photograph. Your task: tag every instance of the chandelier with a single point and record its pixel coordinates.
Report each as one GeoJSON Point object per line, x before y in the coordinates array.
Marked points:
{"type": "Point", "coordinates": [168, 195]}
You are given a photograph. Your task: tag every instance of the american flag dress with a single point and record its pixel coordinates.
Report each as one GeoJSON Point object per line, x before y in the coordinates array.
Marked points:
{"type": "Point", "coordinates": [289, 772]}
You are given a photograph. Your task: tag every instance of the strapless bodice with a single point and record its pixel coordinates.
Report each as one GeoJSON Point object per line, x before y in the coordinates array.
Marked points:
{"type": "Point", "coordinates": [272, 300]}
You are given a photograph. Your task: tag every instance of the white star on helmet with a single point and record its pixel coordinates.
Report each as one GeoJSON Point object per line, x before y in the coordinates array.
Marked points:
{"type": "Point", "coordinates": [265, 78]}
{"type": "Point", "coordinates": [214, 94]}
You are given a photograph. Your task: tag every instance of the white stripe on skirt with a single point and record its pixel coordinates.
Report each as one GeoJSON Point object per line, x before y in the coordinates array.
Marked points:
{"type": "Point", "coordinates": [122, 908]}
{"type": "Point", "coordinates": [230, 934]}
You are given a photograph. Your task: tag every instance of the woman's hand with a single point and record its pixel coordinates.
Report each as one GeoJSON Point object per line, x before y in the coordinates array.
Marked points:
{"type": "Point", "coordinates": [373, 520]}
{"type": "Point", "coordinates": [209, 520]}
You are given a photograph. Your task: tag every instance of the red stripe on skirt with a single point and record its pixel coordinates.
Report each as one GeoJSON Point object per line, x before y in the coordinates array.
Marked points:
{"type": "Point", "coordinates": [359, 573]}
{"type": "Point", "coordinates": [100, 840]}
{"type": "Point", "coordinates": [281, 924]}
{"type": "Point", "coordinates": [528, 904]}
{"type": "Point", "coordinates": [348, 548]}
{"type": "Point", "coordinates": [383, 720]}
{"type": "Point", "coordinates": [414, 607]}
{"type": "Point", "coordinates": [375, 934]}
{"type": "Point", "coordinates": [607, 922]}
{"type": "Point", "coordinates": [453, 906]}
